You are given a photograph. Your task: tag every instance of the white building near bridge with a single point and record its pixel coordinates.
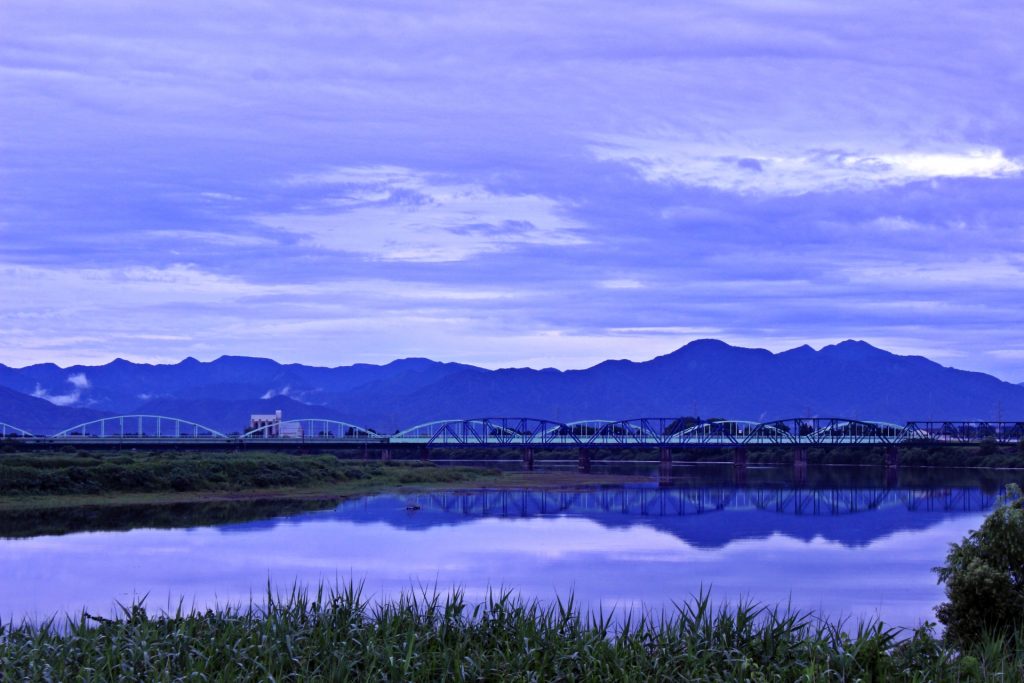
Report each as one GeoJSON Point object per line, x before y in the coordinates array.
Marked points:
{"type": "Point", "coordinates": [274, 427]}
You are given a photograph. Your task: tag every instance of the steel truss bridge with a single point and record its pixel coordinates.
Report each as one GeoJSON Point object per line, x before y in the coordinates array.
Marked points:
{"type": "Point", "coordinates": [520, 432]}
{"type": "Point", "coordinates": [530, 434]}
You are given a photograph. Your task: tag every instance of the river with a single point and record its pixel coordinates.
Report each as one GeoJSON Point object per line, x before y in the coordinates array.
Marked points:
{"type": "Point", "coordinates": [847, 542]}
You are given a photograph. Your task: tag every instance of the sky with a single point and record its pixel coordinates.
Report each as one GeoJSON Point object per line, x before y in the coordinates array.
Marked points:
{"type": "Point", "coordinates": [509, 184]}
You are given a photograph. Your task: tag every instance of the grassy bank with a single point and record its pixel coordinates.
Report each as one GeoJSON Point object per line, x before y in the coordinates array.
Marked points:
{"type": "Point", "coordinates": [62, 479]}
{"type": "Point", "coordinates": [986, 454]}
{"type": "Point", "coordinates": [340, 637]}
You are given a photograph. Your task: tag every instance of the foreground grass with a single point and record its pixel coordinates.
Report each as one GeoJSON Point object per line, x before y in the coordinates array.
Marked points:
{"type": "Point", "coordinates": [338, 636]}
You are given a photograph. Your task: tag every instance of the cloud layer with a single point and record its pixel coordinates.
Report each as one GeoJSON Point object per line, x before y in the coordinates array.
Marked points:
{"type": "Point", "coordinates": [544, 184]}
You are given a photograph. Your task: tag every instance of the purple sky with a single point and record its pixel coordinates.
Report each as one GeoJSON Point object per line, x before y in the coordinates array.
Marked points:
{"type": "Point", "coordinates": [531, 183]}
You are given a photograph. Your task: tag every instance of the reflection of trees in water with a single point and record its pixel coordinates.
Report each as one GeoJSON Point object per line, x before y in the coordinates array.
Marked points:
{"type": "Point", "coordinates": [58, 521]}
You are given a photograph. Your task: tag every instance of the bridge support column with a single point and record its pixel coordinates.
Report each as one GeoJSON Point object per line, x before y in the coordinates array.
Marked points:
{"type": "Point", "coordinates": [664, 463]}
{"type": "Point", "coordinates": [385, 454]}
{"type": "Point", "coordinates": [892, 477]}
{"type": "Point", "coordinates": [584, 460]}
{"type": "Point", "coordinates": [800, 466]}
{"type": "Point", "coordinates": [739, 456]}
{"type": "Point", "coordinates": [528, 458]}
{"type": "Point", "coordinates": [892, 457]}
{"type": "Point", "coordinates": [424, 453]}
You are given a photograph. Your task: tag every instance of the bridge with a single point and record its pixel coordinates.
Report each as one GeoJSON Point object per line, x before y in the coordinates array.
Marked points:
{"type": "Point", "coordinates": [530, 434]}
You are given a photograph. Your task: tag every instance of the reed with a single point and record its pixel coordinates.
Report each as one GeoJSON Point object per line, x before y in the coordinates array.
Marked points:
{"type": "Point", "coordinates": [337, 634]}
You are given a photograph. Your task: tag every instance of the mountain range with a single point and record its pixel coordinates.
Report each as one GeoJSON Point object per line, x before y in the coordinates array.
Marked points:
{"type": "Point", "coordinates": [706, 378]}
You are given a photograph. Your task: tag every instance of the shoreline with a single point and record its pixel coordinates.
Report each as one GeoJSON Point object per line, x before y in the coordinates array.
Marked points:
{"type": "Point", "coordinates": [487, 478]}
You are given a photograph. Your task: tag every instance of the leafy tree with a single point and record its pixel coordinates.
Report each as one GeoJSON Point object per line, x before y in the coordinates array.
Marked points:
{"type": "Point", "coordinates": [984, 577]}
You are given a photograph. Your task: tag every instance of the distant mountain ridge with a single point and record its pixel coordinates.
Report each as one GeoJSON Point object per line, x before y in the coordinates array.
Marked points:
{"type": "Point", "coordinates": [705, 377]}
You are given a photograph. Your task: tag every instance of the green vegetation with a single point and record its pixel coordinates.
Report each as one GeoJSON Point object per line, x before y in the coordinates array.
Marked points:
{"type": "Point", "coordinates": [32, 479]}
{"type": "Point", "coordinates": [984, 578]}
{"type": "Point", "coordinates": [339, 636]}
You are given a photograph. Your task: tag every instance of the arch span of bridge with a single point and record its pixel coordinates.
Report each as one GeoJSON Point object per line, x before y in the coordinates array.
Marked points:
{"type": "Point", "coordinates": [8, 431]}
{"type": "Point", "coordinates": [140, 427]}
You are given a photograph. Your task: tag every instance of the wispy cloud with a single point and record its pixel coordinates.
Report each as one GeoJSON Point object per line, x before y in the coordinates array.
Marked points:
{"type": "Point", "coordinates": [734, 169]}
{"type": "Point", "coordinates": [79, 383]}
{"type": "Point", "coordinates": [397, 214]}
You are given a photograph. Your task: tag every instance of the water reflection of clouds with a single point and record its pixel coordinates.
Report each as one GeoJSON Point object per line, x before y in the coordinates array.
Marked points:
{"type": "Point", "coordinates": [542, 556]}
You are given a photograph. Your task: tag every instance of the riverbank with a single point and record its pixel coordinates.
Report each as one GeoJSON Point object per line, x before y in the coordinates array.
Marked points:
{"type": "Point", "coordinates": [39, 481]}
{"type": "Point", "coordinates": [340, 636]}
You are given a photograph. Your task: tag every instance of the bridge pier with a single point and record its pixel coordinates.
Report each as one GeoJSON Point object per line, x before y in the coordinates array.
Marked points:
{"type": "Point", "coordinates": [892, 477]}
{"type": "Point", "coordinates": [584, 460]}
{"type": "Point", "coordinates": [424, 453]}
{"type": "Point", "coordinates": [385, 454]}
{"type": "Point", "coordinates": [892, 457]}
{"type": "Point", "coordinates": [664, 464]}
{"type": "Point", "coordinates": [528, 458]}
{"type": "Point", "coordinates": [800, 465]}
{"type": "Point", "coordinates": [739, 456]}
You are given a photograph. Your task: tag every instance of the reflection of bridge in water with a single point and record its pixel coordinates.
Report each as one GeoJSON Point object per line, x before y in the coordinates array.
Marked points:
{"type": "Point", "coordinates": [696, 501]}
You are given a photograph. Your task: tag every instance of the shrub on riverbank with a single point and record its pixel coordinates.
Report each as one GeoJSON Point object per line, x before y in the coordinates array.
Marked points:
{"type": "Point", "coordinates": [338, 636]}
{"type": "Point", "coordinates": [984, 577]}
{"type": "Point", "coordinates": [168, 471]}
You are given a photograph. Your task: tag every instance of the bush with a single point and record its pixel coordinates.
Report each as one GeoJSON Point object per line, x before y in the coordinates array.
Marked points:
{"type": "Point", "coordinates": [984, 576]}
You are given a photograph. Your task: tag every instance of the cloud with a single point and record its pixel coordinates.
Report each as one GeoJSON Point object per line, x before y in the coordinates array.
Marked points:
{"type": "Point", "coordinates": [396, 214]}
{"type": "Point", "coordinates": [795, 172]}
{"type": "Point", "coordinates": [79, 383]}
{"type": "Point", "coordinates": [487, 182]}
{"type": "Point", "coordinates": [621, 283]}
{"type": "Point", "coordinates": [271, 393]}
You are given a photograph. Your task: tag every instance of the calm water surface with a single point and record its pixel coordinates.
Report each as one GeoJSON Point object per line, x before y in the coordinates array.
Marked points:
{"type": "Point", "coordinates": [859, 546]}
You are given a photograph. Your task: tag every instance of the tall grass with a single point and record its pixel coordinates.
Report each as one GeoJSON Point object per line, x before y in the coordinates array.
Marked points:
{"type": "Point", "coordinates": [338, 635]}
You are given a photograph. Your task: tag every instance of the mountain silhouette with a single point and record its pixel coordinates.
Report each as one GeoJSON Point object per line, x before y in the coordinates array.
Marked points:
{"type": "Point", "coordinates": [706, 378]}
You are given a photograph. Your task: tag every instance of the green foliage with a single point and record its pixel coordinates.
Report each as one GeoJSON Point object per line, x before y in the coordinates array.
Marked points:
{"type": "Point", "coordinates": [339, 636]}
{"type": "Point", "coordinates": [988, 446]}
{"type": "Point", "coordinates": [984, 577]}
{"type": "Point", "coordinates": [83, 473]}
